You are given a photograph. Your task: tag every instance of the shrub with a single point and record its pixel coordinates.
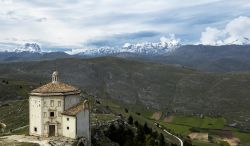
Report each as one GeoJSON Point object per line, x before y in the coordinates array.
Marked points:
{"type": "Point", "coordinates": [130, 120]}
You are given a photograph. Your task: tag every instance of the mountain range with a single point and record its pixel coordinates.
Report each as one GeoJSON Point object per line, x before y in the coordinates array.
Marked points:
{"type": "Point", "coordinates": [224, 58]}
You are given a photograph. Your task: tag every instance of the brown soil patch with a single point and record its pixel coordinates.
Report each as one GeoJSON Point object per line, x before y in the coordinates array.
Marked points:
{"type": "Point", "coordinates": [168, 119]}
{"type": "Point", "coordinates": [199, 136]}
{"type": "Point", "coordinates": [156, 115]}
{"type": "Point", "coordinates": [232, 141]}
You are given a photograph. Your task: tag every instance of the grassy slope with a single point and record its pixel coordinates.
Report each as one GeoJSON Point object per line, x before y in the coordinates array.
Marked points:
{"type": "Point", "coordinates": [198, 143]}
{"type": "Point", "coordinates": [194, 121]}
{"type": "Point", "coordinates": [144, 117]}
{"type": "Point", "coordinates": [13, 89]}
{"type": "Point", "coordinates": [183, 124]}
{"type": "Point", "coordinates": [179, 125]}
{"type": "Point", "coordinates": [166, 87]}
{"type": "Point", "coordinates": [15, 115]}
{"type": "Point", "coordinates": [157, 86]}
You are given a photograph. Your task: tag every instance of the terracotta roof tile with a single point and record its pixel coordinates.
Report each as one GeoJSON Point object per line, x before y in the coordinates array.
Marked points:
{"type": "Point", "coordinates": [57, 87]}
{"type": "Point", "coordinates": [76, 108]}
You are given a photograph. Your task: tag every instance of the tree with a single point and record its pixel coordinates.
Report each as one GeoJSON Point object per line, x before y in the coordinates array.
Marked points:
{"type": "Point", "coordinates": [126, 110]}
{"type": "Point", "coordinates": [154, 134]}
{"type": "Point", "coordinates": [150, 141]}
{"type": "Point", "coordinates": [130, 120]}
{"type": "Point", "coordinates": [161, 140]}
{"type": "Point", "coordinates": [140, 134]}
{"type": "Point", "coordinates": [129, 137]}
{"type": "Point", "coordinates": [121, 135]}
{"type": "Point", "coordinates": [146, 129]}
{"type": "Point", "coordinates": [136, 124]}
{"type": "Point", "coordinates": [111, 133]}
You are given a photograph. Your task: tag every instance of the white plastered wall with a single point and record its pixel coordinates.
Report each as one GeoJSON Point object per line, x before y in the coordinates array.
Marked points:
{"type": "Point", "coordinates": [35, 116]}
{"type": "Point", "coordinates": [57, 108]}
{"type": "Point", "coordinates": [69, 126]}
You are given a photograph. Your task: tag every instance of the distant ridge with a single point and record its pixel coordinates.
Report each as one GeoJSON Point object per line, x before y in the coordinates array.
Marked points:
{"type": "Point", "coordinates": [225, 58]}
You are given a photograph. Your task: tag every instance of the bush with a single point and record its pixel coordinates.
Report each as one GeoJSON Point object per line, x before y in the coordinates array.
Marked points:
{"type": "Point", "coordinates": [195, 129]}
{"type": "Point", "coordinates": [136, 124]}
{"type": "Point", "coordinates": [224, 143]}
{"type": "Point", "coordinates": [130, 120]}
{"type": "Point", "coordinates": [143, 136]}
{"type": "Point", "coordinates": [146, 129]}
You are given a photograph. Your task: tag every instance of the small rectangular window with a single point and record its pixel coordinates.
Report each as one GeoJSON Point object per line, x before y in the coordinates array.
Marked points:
{"type": "Point", "coordinates": [67, 128]}
{"type": "Point", "coordinates": [51, 102]}
{"type": "Point", "coordinates": [44, 103]}
{"type": "Point", "coordinates": [52, 114]}
{"type": "Point", "coordinates": [59, 103]}
{"type": "Point", "coordinates": [67, 119]}
{"type": "Point", "coordinates": [35, 129]}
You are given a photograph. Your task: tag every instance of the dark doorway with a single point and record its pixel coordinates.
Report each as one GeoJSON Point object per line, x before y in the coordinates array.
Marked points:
{"type": "Point", "coordinates": [52, 129]}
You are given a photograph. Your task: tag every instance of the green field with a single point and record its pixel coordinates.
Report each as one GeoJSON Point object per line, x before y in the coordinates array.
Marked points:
{"type": "Point", "coordinates": [176, 129]}
{"type": "Point", "coordinates": [182, 125]}
{"type": "Point", "coordinates": [194, 121]}
{"type": "Point", "coordinates": [198, 143]}
{"type": "Point", "coordinates": [243, 136]}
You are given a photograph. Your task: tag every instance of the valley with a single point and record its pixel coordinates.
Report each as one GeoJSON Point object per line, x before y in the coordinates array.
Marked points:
{"type": "Point", "coordinates": [184, 101]}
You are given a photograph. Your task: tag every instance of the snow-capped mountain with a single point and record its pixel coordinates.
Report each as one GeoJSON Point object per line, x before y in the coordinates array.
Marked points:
{"type": "Point", "coordinates": [229, 41]}
{"type": "Point", "coordinates": [165, 45]}
{"type": "Point", "coordinates": [102, 51]}
{"type": "Point", "coordinates": [29, 47]}
{"type": "Point", "coordinates": [242, 41]}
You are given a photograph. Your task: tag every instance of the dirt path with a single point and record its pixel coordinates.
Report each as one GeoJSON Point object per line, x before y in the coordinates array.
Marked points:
{"type": "Point", "coordinates": [156, 116]}
{"type": "Point", "coordinates": [199, 136]}
{"type": "Point", "coordinates": [232, 141]}
{"type": "Point", "coordinates": [170, 134]}
{"type": "Point", "coordinates": [23, 138]}
{"type": "Point", "coordinates": [168, 119]}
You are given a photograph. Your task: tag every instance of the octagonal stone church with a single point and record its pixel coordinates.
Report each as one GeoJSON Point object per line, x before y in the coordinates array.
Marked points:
{"type": "Point", "coordinates": [56, 109]}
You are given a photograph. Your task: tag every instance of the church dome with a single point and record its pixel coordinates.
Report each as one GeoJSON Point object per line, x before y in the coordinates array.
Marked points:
{"type": "Point", "coordinates": [55, 88]}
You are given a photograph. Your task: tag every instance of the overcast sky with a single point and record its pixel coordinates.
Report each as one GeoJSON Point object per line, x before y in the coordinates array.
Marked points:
{"type": "Point", "coordinates": [82, 23]}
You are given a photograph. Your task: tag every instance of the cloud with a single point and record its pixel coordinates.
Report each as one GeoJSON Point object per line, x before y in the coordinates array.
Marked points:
{"type": "Point", "coordinates": [119, 39]}
{"type": "Point", "coordinates": [236, 31]}
{"type": "Point", "coordinates": [211, 36]}
{"type": "Point", "coordinates": [43, 19]}
{"type": "Point", "coordinates": [77, 23]}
